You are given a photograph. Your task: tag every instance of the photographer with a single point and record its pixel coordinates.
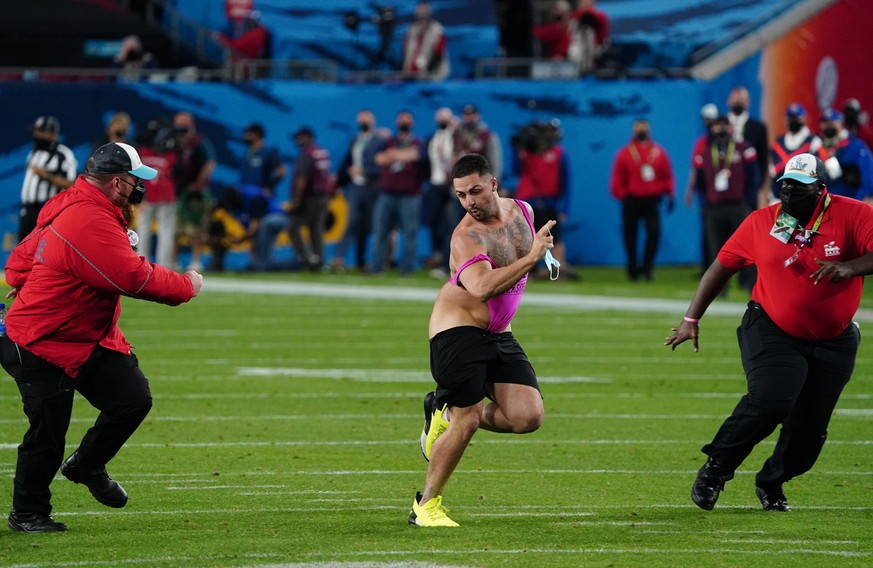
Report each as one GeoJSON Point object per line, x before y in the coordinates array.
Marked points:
{"type": "Point", "coordinates": [543, 169]}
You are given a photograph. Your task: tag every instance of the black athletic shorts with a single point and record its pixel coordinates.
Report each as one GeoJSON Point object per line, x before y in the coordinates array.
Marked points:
{"type": "Point", "coordinates": [463, 360]}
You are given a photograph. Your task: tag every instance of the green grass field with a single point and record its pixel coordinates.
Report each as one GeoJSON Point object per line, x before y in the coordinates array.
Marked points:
{"type": "Point", "coordinates": [285, 432]}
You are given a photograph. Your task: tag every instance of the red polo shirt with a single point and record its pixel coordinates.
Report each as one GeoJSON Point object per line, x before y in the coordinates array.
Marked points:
{"type": "Point", "coordinates": [787, 293]}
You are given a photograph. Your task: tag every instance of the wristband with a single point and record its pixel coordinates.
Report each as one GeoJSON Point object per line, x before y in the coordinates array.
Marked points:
{"type": "Point", "coordinates": [691, 320]}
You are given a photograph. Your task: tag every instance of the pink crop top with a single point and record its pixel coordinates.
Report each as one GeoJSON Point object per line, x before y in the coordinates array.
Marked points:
{"type": "Point", "coordinates": [501, 308]}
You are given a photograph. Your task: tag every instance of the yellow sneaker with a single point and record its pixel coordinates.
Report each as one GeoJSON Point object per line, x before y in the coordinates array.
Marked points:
{"type": "Point", "coordinates": [434, 426]}
{"type": "Point", "coordinates": [430, 514]}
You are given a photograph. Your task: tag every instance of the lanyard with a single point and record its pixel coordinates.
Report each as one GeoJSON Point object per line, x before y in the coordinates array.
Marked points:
{"type": "Point", "coordinates": [728, 157]}
{"type": "Point", "coordinates": [636, 155]}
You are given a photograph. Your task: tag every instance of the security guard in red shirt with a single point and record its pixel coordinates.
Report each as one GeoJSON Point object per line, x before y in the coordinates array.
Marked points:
{"type": "Point", "coordinates": [797, 340]}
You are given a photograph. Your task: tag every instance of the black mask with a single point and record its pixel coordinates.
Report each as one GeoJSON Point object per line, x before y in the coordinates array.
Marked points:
{"type": "Point", "coordinates": [443, 125]}
{"type": "Point", "coordinates": [829, 132]}
{"type": "Point", "coordinates": [799, 200]}
{"type": "Point", "coordinates": [404, 127]}
{"type": "Point", "coordinates": [364, 127]}
{"type": "Point", "coordinates": [795, 126]}
{"type": "Point", "coordinates": [40, 144]}
{"type": "Point", "coordinates": [137, 191]}
{"type": "Point", "coordinates": [641, 136]}
{"type": "Point", "coordinates": [850, 117]}
{"type": "Point", "coordinates": [738, 109]}
{"type": "Point", "coordinates": [720, 135]}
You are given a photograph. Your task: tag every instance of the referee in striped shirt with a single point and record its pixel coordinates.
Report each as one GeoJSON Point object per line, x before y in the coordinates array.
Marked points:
{"type": "Point", "coordinates": [51, 167]}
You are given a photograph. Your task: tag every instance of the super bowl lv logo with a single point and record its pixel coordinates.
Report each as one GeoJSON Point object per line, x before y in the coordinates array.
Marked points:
{"type": "Point", "coordinates": [831, 249]}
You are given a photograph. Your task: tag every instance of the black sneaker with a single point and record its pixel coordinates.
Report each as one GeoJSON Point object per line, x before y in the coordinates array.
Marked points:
{"type": "Point", "coordinates": [34, 522]}
{"type": "Point", "coordinates": [709, 484]}
{"type": "Point", "coordinates": [772, 499]}
{"type": "Point", "coordinates": [106, 490]}
{"type": "Point", "coordinates": [429, 400]}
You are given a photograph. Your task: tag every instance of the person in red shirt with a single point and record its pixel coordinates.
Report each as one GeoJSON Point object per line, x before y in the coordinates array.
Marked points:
{"type": "Point", "coordinates": [797, 341]}
{"type": "Point", "coordinates": [554, 36]}
{"type": "Point", "coordinates": [641, 178]}
{"type": "Point", "coordinates": [62, 333]}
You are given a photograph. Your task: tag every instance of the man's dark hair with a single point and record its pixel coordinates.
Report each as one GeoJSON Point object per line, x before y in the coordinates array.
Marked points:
{"type": "Point", "coordinates": [471, 164]}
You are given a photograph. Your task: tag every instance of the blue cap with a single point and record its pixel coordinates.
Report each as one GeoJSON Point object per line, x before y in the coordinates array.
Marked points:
{"type": "Point", "coordinates": [795, 110]}
{"type": "Point", "coordinates": [831, 115]}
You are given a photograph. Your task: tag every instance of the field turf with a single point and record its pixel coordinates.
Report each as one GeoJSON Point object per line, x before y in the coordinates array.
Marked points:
{"type": "Point", "coordinates": [287, 410]}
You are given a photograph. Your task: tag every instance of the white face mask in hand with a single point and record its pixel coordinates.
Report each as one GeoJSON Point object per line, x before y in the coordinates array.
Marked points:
{"type": "Point", "coordinates": [552, 262]}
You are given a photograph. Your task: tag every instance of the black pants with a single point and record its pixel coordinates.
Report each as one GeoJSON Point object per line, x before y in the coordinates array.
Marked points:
{"type": "Point", "coordinates": [634, 210]}
{"type": "Point", "coordinates": [790, 382]}
{"type": "Point", "coordinates": [111, 381]}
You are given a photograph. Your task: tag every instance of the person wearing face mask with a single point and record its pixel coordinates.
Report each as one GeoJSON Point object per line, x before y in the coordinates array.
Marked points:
{"type": "Point", "coordinates": [849, 161]}
{"type": "Point", "coordinates": [726, 174]}
{"type": "Point", "coordinates": [857, 121]}
{"type": "Point", "coordinates": [797, 341]}
{"type": "Point", "coordinates": [641, 178]}
{"type": "Point", "coordinates": [798, 139]}
{"type": "Point", "coordinates": [192, 173]}
{"type": "Point", "coordinates": [472, 136]}
{"type": "Point", "coordinates": [62, 334]}
{"type": "Point", "coordinates": [754, 133]}
{"type": "Point", "coordinates": [425, 56]}
{"type": "Point", "coordinates": [51, 168]}
{"type": "Point", "coordinates": [358, 179]}
{"type": "Point", "coordinates": [312, 187]}
{"type": "Point", "coordinates": [441, 212]}
{"type": "Point", "coordinates": [399, 201]}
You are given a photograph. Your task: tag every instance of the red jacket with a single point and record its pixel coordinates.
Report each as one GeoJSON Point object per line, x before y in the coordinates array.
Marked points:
{"type": "Point", "coordinates": [642, 169]}
{"type": "Point", "coordinates": [71, 272]}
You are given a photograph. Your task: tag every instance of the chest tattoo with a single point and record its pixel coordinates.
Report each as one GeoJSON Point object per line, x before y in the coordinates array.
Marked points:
{"type": "Point", "coordinates": [505, 244]}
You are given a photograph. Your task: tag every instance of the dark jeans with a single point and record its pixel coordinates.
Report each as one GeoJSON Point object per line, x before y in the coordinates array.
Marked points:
{"type": "Point", "coordinates": [111, 381]}
{"type": "Point", "coordinates": [790, 382]}
{"type": "Point", "coordinates": [361, 200]}
{"type": "Point", "coordinates": [634, 210]}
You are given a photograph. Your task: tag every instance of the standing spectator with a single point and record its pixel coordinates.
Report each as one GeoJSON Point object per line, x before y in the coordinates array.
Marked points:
{"type": "Point", "coordinates": [358, 176]}
{"type": "Point", "coordinates": [473, 136]}
{"type": "Point", "coordinates": [132, 58]}
{"type": "Point", "coordinates": [262, 165]}
{"type": "Point", "coordinates": [798, 344]}
{"type": "Point", "coordinates": [798, 139]}
{"type": "Point", "coordinates": [399, 201]}
{"type": "Point", "coordinates": [311, 190]}
{"type": "Point", "coordinates": [425, 55]}
{"type": "Point", "coordinates": [157, 149]}
{"type": "Point", "coordinates": [439, 198]}
{"type": "Point", "coordinates": [641, 179]}
{"type": "Point", "coordinates": [192, 173]}
{"type": "Point", "coordinates": [544, 183]}
{"type": "Point", "coordinates": [754, 133]}
{"type": "Point", "coordinates": [857, 121]}
{"type": "Point", "coordinates": [726, 173]}
{"type": "Point", "coordinates": [849, 163]}
{"type": "Point", "coordinates": [708, 113]}
{"type": "Point", "coordinates": [590, 36]}
{"type": "Point", "coordinates": [62, 332]}
{"type": "Point", "coordinates": [253, 43]}
{"type": "Point", "coordinates": [50, 168]}
{"type": "Point", "coordinates": [117, 130]}
{"type": "Point", "coordinates": [554, 36]}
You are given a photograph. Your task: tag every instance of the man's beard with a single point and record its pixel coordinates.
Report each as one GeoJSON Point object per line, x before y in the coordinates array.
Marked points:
{"type": "Point", "coordinates": [128, 211]}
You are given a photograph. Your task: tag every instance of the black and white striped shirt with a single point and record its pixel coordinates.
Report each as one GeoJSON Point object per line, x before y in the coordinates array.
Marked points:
{"type": "Point", "coordinates": [57, 161]}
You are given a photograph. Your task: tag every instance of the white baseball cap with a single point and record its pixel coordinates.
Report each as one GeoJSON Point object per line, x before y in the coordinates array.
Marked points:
{"type": "Point", "coordinates": [804, 168]}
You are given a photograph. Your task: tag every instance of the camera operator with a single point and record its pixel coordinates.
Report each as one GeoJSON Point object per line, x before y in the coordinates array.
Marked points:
{"type": "Point", "coordinates": [543, 169]}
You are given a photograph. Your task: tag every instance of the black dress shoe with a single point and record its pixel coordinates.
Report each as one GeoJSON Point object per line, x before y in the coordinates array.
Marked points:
{"type": "Point", "coordinates": [34, 522]}
{"type": "Point", "coordinates": [709, 484]}
{"type": "Point", "coordinates": [105, 489]}
{"type": "Point", "coordinates": [772, 499]}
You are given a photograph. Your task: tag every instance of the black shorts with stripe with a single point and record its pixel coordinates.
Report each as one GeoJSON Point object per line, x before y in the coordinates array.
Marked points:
{"type": "Point", "coordinates": [464, 360]}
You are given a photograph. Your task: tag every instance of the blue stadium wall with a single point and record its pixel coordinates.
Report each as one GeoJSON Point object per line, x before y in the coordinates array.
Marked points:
{"type": "Point", "coordinates": [596, 118]}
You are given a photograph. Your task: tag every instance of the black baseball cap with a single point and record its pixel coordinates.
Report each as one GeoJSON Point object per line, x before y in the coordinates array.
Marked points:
{"type": "Point", "coordinates": [116, 158]}
{"type": "Point", "coordinates": [304, 131]}
{"type": "Point", "coordinates": [48, 124]}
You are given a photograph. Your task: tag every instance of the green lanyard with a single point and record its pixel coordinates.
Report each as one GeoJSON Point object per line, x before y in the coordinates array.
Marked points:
{"type": "Point", "coordinates": [728, 158]}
